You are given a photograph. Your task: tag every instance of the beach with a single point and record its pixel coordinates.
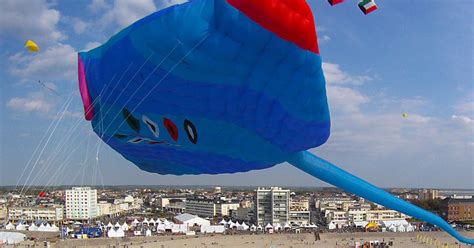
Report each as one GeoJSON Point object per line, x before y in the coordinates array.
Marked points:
{"type": "Point", "coordinates": [304, 240]}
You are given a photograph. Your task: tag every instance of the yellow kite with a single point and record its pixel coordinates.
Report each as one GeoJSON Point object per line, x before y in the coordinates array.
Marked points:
{"type": "Point", "coordinates": [32, 46]}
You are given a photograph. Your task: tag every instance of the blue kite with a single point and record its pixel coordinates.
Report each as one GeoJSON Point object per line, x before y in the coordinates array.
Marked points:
{"type": "Point", "coordinates": [214, 86]}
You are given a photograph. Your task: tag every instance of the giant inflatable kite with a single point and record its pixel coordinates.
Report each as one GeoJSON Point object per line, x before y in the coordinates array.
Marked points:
{"type": "Point", "coordinates": [220, 86]}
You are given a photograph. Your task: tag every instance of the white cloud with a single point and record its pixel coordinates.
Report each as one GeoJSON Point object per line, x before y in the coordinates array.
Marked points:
{"type": "Point", "coordinates": [122, 13]}
{"type": "Point", "coordinates": [462, 119]}
{"type": "Point", "coordinates": [125, 12]}
{"type": "Point", "coordinates": [92, 45]}
{"type": "Point", "coordinates": [97, 5]}
{"type": "Point", "coordinates": [323, 39]}
{"type": "Point", "coordinates": [34, 20]}
{"type": "Point", "coordinates": [345, 99]}
{"type": "Point", "coordinates": [29, 104]}
{"type": "Point", "coordinates": [167, 3]}
{"type": "Point", "coordinates": [466, 107]}
{"type": "Point", "coordinates": [56, 63]}
{"type": "Point", "coordinates": [335, 75]}
{"type": "Point", "coordinates": [79, 26]}
{"type": "Point", "coordinates": [370, 137]}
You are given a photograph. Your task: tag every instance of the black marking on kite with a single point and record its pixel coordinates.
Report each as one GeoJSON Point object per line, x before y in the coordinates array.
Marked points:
{"type": "Point", "coordinates": [133, 122]}
{"type": "Point", "coordinates": [151, 125]}
{"type": "Point", "coordinates": [191, 131]}
{"type": "Point", "coordinates": [136, 140]}
{"type": "Point", "coordinates": [120, 136]}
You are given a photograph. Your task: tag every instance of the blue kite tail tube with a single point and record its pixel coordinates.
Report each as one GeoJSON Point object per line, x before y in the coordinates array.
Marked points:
{"type": "Point", "coordinates": [330, 173]}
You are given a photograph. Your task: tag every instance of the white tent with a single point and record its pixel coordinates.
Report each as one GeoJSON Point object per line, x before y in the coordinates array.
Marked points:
{"type": "Point", "coordinates": [223, 222]}
{"type": "Point", "coordinates": [32, 227]}
{"type": "Point", "coordinates": [112, 233]}
{"type": "Point", "coordinates": [277, 227]}
{"type": "Point", "coordinates": [259, 227]}
{"type": "Point", "coordinates": [179, 228]}
{"type": "Point", "coordinates": [117, 225]}
{"type": "Point", "coordinates": [230, 222]}
{"type": "Point", "coordinates": [158, 221]}
{"type": "Point", "coordinates": [168, 225]}
{"type": "Point", "coordinates": [10, 238]}
{"type": "Point", "coordinates": [237, 225]}
{"type": "Point", "coordinates": [43, 228]}
{"type": "Point", "coordinates": [312, 225]}
{"type": "Point", "coordinates": [191, 220]}
{"type": "Point", "coordinates": [135, 222]}
{"type": "Point", "coordinates": [410, 228]}
{"type": "Point", "coordinates": [160, 228]}
{"type": "Point", "coordinates": [392, 228]}
{"type": "Point", "coordinates": [54, 228]}
{"type": "Point", "coordinates": [401, 228]}
{"type": "Point", "coordinates": [332, 226]}
{"type": "Point", "coordinates": [10, 226]}
{"type": "Point", "coordinates": [213, 229]}
{"type": "Point", "coordinates": [152, 222]}
{"type": "Point", "coordinates": [268, 226]}
{"type": "Point", "coordinates": [286, 226]}
{"type": "Point", "coordinates": [110, 225]}
{"type": "Point", "coordinates": [145, 221]}
{"type": "Point", "coordinates": [244, 226]}
{"type": "Point", "coordinates": [362, 223]}
{"type": "Point", "coordinates": [125, 226]}
{"type": "Point", "coordinates": [253, 228]}
{"type": "Point", "coordinates": [119, 233]}
{"type": "Point", "coordinates": [21, 227]}
{"type": "Point", "coordinates": [388, 223]}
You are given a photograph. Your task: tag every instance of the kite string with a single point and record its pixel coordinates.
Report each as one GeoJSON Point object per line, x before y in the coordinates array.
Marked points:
{"type": "Point", "coordinates": [94, 103]}
{"type": "Point", "coordinates": [156, 85]}
{"type": "Point", "coordinates": [63, 166]}
{"type": "Point", "coordinates": [85, 159]}
{"type": "Point", "coordinates": [47, 142]}
{"type": "Point", "coordinates": [126, 86]}
{"type": "Point", "coordinates": [39, 144]}
{"type": "Point", "coordinates": [60, 147]}
{"type": "Point", "coordinates": [139, 87]}
{"type": "Point", "coordinates": [72, 143]}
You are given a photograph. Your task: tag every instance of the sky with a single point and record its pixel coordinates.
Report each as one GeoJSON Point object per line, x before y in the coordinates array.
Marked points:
{"type": "Point", "coordinates": [409, 56]}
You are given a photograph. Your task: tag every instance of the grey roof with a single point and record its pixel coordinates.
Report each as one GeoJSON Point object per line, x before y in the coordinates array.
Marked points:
{"type": "Point", "coordinates": [185, 217]}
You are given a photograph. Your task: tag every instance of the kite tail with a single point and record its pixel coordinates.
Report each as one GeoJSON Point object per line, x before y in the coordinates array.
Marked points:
{"type": "Point", "coordinates": [330, 173]}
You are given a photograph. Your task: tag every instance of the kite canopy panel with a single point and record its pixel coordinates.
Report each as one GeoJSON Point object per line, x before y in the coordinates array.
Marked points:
{"type": "Point", "coordinates": [209, 87]}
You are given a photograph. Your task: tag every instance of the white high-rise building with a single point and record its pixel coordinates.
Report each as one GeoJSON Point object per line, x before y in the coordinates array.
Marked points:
{"type": "Point", "coordinates": [272, 206]}
{"type": "Point", "coordinates": [81, 203]}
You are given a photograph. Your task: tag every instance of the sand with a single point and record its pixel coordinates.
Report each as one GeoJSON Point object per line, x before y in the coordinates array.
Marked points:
{"type": "Point", "coordinates": [406, 240]}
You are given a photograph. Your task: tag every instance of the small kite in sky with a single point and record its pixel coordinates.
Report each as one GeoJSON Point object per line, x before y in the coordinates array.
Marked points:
{"type": "Point", "coordinates": [31, 46]}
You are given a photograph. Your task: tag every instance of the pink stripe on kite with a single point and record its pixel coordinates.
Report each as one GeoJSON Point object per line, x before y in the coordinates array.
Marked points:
{"type": "Point", "coordinates": [86, 99]}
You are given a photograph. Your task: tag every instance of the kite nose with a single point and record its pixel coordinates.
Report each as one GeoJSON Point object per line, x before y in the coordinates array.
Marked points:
{"type": "Point", "coordinates": [291, 20]}
{"type": "Point", "coordinates": [86, 99]}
